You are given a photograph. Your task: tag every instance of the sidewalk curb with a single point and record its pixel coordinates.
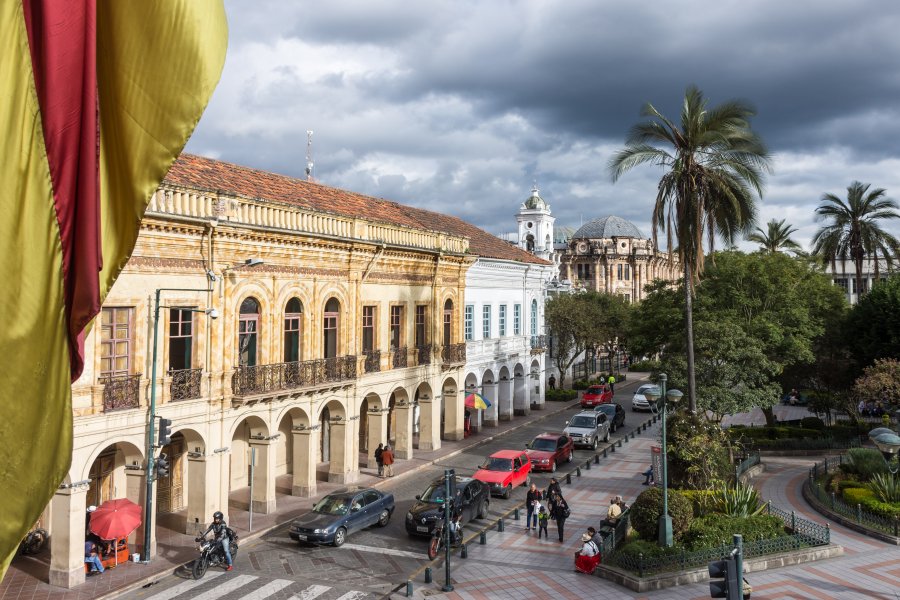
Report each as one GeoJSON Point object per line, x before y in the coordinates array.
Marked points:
{"type": "Point", "coordinates": [149, 579]}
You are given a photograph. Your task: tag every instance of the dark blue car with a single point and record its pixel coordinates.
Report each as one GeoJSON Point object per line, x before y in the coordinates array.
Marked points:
{"type": "Point", "coordinates": [341, 513]}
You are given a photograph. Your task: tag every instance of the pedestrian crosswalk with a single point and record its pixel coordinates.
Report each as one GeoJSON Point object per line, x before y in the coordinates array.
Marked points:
{"type": "Point", "coordinates": [251, 587]}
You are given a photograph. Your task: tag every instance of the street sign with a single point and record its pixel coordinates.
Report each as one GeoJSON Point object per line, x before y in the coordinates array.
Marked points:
{"type": "Point", "coordinates": [656, 463]}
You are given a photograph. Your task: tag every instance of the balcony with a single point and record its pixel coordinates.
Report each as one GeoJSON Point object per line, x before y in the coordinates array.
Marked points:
{"type": "Point", "coordinates": [121, 392]}
{"type": "Point", "coordinates": [399, 358]}
{"type": "Point", "coordinates": [373, 361]}
{"type": "Point", "coordinates": [185, 384]}
{"type": "Point", "coordinates": [538, 343]}
{"type": "Point", "coordinates": [262, 380]}
{"type": "Point", "coordinates": [423, 355]}
{"type": "Point", "coordinates": [454, 354]}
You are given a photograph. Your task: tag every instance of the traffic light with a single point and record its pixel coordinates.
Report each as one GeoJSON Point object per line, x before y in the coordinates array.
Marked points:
{"type": "Point", "coordinates": [724, 582]}
{"type": "Point", "coordinates": [162, 466]}
{"type": "Point", "coordinates": [165, 432]}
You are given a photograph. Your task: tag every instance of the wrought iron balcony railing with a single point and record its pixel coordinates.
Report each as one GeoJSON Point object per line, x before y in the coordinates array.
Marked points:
{"type": "Point", "coordinates": [121, 392]}
{"type": "Point", "coordinates": [423, 355]}
{"type": "Point", "coordinates": [538, 342]}
{"type": "Point", "coordinates": [399, 358]}
{"type": "Point", "coordinates": [454, 353]}
{"type": "Point", "coordinates": [262, 379]}
{"type": "Point", "coordinates": [185, 384]}
{"type": "Point", "coordinates": [373, 361]}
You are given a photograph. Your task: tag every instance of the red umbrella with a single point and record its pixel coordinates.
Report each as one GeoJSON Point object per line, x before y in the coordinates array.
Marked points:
{"type": "Point", "coordinates": [115, 519]}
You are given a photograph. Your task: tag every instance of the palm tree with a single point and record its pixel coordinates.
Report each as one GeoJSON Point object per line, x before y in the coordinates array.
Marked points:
{"type": "Point", "coordinates": [853, 231]}
{"type": "Point", "coordinates": [776, 237]}
{"type": "Point", "coordinates": [714, 163]}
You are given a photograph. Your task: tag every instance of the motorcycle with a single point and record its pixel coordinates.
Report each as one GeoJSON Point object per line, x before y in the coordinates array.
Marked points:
{"type": "Point", "coordinates": [211, 554]}
{"type": "Point", "coordinates": [439, 538]}
{"type": "Point", "coordinates": [34, 542]}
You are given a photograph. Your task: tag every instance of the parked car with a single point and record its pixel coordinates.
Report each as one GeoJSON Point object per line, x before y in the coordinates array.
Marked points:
{"type": "Point", "coordinates": [339, 514]}
{"type": "Point", "coordinates": [474, 498]}
{"type": "Point", "coordinates": [548, 450]}
{"type": "Point", "coordinates": [596, 394]}
{"type": "Point", "coordinates": [587, 429]}
{"type": "Point", "coordinates": [503, 470]}
{"type": "Point", "coordinates": [638, 401]}
{"type": "Point", "coordinates": [614, 413]}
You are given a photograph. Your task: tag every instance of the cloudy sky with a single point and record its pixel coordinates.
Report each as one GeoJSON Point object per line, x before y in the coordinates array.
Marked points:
{"type": "Point", "coordinates": [459, 106]}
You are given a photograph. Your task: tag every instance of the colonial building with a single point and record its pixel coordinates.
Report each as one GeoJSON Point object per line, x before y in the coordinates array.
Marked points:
{"type": "Point", "coordinates": [611, 255]}
{"type": "Point", "coordinates": [843, 274]}
{"type": "Point", "coordinates": [298, 327]}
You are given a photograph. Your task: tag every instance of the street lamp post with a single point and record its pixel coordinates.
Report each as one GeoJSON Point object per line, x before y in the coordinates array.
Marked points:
{"type": "Point", "coordinates": [888, 443]}
{"type": "Point", "coordinates": [653, 395]}
{"type": "Point", "coordinates": [151, 429]}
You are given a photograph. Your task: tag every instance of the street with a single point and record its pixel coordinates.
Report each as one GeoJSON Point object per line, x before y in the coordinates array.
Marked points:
{"type": "Point", "coordinates": [374, 561]}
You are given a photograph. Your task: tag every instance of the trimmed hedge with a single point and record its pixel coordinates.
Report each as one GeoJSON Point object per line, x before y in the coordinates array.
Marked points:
{"type": "Point", "coordinates": [560, 395]}
{"type": "Point", "coordinates": [812, 423]}
{"type": "Point", "coordinates": [647, 548]}
{"type": "Point", "coordinates": [866, 498]}
{"type": "Point", "coordinates": [700, 499]}
{"type": "Point", "coordinates": [648, 507]}
{"type": "Point", "coordinates": [645, 366]}
{"type": "Point", "coordinates": [715, 530]}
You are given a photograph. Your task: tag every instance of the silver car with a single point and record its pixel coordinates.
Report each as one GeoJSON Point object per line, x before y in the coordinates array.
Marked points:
{"type": "Point", "coordinates": [638, 401]}
{"type": "Point", "coordinates": [587, 429]}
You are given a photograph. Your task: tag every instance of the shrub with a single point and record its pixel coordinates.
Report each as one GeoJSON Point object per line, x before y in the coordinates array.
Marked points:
{"type": "Point", "coordinates": [882, 509]}
{"type": "Point", "coordinates": [698, 452]}
{"type": "Point", "coordinates": [715, 530]}
{"type": "Point", "coordinates": [736, 501]}
{"type": "Point", "coordinates": [700, 500]}
{"type": "Point", "coordinates": [645, 366]}
{"type": "Point", "coordinates": [857, 495]}
{"type": "Point", "coordinates": [580, 384]}
{"type": "Point", "coordinates": [812, 423]}
{"type": "Point", "coordinates": [648, 507]}
{"type": "Point", "coordinates": [886, 487]}
{"type": "Point", "coordinates": [647, 548]}
{"type": "Point", "coordinates": [560, 395]}
{"type": "Point", "coordinates": [865, 462]}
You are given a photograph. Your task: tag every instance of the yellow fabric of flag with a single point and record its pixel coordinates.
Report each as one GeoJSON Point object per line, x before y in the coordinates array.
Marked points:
{"type": "Point", "coordinates": [157, 65]}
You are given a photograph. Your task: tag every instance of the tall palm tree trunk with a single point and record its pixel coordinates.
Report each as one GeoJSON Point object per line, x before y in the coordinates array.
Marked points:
{"type": "Point", "coordinates": [689, 331]}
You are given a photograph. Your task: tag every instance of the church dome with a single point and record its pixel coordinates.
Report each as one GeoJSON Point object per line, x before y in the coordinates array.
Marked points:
{"type": "Point", "coordinates": [535, 202]}
{"type": "Point", "coordinates": [608, 227]}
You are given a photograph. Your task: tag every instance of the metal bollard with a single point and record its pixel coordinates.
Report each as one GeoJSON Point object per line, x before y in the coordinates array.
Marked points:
{"type": "Point", "coordinates": [499, 524]}
{"type": "Point", "coordinates": [516, 514]}
{"type": "Point", "coordinates": [427, 575]}
{"type": "Point", "coordinates": [587, 465]}
{"type": "Point", "coordinates": [568, 478]}
{"type": "Point", "coordinates": [604, 453]}
{"type": "Point", "coordinates": [482, 538]}
{"type": "Point", "coordinates": [619, 444]}
{"type": "Point", "coordinates": [596, 459]}
{"type": "Point", "coordinates": [578, 472]}
{"type": "Point", "coordinates": [409, 591]}
{"type": "Point", "coordinates": [626, 438]}
{"type": "Point", "coordinates": [612, 447]}
{"type": "Point", "coordinates": [464, 552]}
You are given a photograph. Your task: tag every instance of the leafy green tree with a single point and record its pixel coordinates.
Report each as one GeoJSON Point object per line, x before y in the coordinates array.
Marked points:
{"type": "Point", "coordinates": [714, 165]}
{"type": "Point", "coordinates": [879, 382]}
{"type": "Point", "coordinates": [853, 231]}
{"type": "Point", "coordinates": [583, 320]}
{"type": "Point", "coordinates": [873, 325]}
{"type": "Point", "coordinates": [776, 237]}
{"type": "Point", "coordinates": [699, 453]}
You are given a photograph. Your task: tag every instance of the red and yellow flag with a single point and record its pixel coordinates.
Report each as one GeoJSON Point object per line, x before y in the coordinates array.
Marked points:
{"type": "Point", "coordinates": [99, 98]}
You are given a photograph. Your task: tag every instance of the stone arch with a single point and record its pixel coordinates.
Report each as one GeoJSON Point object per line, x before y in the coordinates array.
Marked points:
{"type": "Point", "coordinates": [504, 394]}
{"type": "Point", "coordinates": [489, 385]}
{"type": "Point", "coordinates": [173, 491]}
{"type": "Point", "coordinates": [521, 405]}
{"type": "Point", "coordinates": [291, 418]}
{"type": "Point", "coordinates": [131, 447]}
{"type": "Point", "coordinates": [372, 427]}
{"type": "Point", "coordinates": [398, 396]}
{"type": "Point", "coordinates": [536, 383]}
{"type": "Point", "coordinates": [251, 439]}
{"type": "Point", "coordinates": [336, 441]}
{"type": "Point", "coordinates": [452, 425]}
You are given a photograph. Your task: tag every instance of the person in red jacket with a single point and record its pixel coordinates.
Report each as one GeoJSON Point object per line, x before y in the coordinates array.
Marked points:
{"type": "Point", "coordinates": [387, 457]}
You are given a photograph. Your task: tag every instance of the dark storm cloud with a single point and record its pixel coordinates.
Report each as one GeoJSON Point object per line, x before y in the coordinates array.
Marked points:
{"type": "Point", "coordinates": [459, 106]}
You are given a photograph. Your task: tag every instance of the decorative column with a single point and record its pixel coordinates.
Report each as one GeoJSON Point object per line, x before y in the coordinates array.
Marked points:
{"type": "Point", "coordinates": [339, 467]}
{"type": "Point", "coordinates": [429, 424]}
{"type": "Point", "coordinates": [67, 519]}
{"type": "Point", "coordinates": [377, 422]}
{"type": "Point", "coordinates": [304, 460]}
{"type": "Point", "coordinates": [491, 415]}
{"type": "Point", "coordinates": [403, 436]}
{"type": "Point", "coordinates": [136, 491]}
{"type": "Point", "coordinates": [200, 503]}
{"type": "Point", "coordinates": [505, 400]}
{"type": "Point", "coordinates": [454, 411]}
{"type": "Point", "coordinates": [521, 404]}
{"type": "Point", "coordinates": [263, 500]}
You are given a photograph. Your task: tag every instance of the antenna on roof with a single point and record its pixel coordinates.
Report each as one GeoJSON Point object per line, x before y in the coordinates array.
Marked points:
{"type": "Point", "coordinates": [309, 160]}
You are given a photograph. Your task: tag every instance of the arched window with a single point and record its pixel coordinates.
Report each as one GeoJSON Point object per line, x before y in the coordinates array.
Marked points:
{"type": "Point", "coordinates": [293, 330]}
{"type": "Point", "coordinates": [330, 328]}
{"type": "Point", "coordinates": [448, 321]}
{"type": "Point", "coordinates": [534, 323]}
{"type": "Point", "coordinates": [248, 332]}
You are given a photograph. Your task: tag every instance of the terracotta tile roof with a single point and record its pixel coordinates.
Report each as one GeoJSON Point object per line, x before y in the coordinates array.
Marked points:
{"type": "Point", "coordinates": [206, 174]}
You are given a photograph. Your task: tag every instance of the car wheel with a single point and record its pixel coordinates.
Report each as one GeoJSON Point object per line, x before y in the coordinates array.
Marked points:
{"type": "Point", "coordinates": [507, 492]}
{"type": "Point", "coordinates": [384, 517]}
{"type": "Point", "coordinates": [527, 481]}
{"type": "Point", "coordinates": [594, 444]}
{"type": "Point", "coordinates": [606, 437]}
{"type": "Point", "coordinates": [482, 510]}
{"type": "Point", "coordinates": [340, 536]}
{"type": "Point", "coordinates": [553, 466]}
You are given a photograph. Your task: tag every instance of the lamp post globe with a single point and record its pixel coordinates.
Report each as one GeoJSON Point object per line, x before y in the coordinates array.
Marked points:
{"type": "Point", "coordinates": [889, 444]}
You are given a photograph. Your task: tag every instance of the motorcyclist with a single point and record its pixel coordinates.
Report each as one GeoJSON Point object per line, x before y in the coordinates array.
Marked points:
{"type": "Point", "coordinates": [455, 522]}
{"type": "Point", "coordinates": [222, 533]}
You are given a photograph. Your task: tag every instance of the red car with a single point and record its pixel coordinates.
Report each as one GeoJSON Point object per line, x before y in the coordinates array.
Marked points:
{"type": "Point", "coordinates": [503, 470]}
{"type": "Point", "coordinates": [596, 395]}
{"type": "Point", "coordinates": [548, 450]}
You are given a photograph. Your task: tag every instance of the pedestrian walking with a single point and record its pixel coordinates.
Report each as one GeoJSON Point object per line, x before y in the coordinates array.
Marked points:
{"type": "Point", "coordinates": [379, 459]}
{"type": "Point", "coordinates": [387, 457]}
{"type": "Point", "coordinates": [560, 513]}
{"type": "Point", "coordinates": [552, 382]}
{"type": "Point", "coordinates": [532, 501]}
{"type": "Point", "coordinates": [553, 488]}
{"type": "Point", "coordinates": [612, 383]}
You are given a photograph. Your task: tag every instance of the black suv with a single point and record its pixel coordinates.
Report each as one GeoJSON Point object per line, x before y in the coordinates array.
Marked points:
{"type": "Point", "coordinates": [429, 506]}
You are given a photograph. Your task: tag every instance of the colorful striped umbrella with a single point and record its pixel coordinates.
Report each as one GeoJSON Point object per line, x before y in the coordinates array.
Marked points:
{"type": "Point", "coordinates": [474, 400]}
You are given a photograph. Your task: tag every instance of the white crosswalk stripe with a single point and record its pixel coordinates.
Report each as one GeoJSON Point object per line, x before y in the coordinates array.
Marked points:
{"type": "Point", "coordinates": [353, 596]}
{"type": "Point", "coordinates": [226, 587]}
{"type": "Point", "coordinates": [313, 591]}
{"type": "Point", "coordinates": [391, 551]}
{"type": "Point", "coordinates": [268, 589]}
{"type": "Point", "coordinates": [177, 590]}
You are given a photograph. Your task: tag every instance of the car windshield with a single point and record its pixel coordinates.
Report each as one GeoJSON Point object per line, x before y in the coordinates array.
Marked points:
{"type": "Point", "coordinates": [544, 445]}
{"type": "Point", "coordinates": [333, 505]}
{"type": "Point", "coordinates": [588, 422]}
{"type": "Point", "coordinates": [609, 409]}
{"type": "Point", "coordinates": [497, 464]}
{"type": "Point", "coordinates": [594, 389]}
{"type": "Point", "coordinates": [434, 493]}
{"type": "Point", "coordinates": [640, 391]}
